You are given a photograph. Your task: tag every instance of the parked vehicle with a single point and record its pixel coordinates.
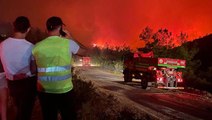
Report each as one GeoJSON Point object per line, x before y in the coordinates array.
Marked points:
{"type": "Point", "coordinates": [86, 61]}
{"type": "Point", "coordinates": [158, 72]}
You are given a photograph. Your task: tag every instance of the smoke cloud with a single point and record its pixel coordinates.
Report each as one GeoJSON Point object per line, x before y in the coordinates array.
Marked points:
{"type": "Point", "coordinates": [115, 22]}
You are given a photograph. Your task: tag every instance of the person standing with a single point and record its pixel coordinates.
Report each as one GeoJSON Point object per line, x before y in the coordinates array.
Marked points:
{"type": "Point", "coordinates": [3, 94]}
{"type": "Point", "coordinates": [53, 57]}
{"type": "Point", "coordinates": [19, 67]}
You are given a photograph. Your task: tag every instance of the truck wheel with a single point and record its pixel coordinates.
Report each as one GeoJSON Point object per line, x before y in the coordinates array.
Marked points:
{"type": "Point", "coordinates": [127, 76]}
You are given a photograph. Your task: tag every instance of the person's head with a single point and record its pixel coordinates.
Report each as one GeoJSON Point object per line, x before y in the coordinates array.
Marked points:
{"type": "Point", "coordinates": [54, 23]}
{"type": "Point", "coordinates": [21, 24]}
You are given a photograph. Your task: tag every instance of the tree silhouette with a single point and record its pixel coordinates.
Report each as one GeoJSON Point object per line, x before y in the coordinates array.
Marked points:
{"type": "Point", "coordinates": [182, 38]}
{"type": "Point", "coordinates": [164, 38]}
{"type": "Point", "coordinates": [146, 34]}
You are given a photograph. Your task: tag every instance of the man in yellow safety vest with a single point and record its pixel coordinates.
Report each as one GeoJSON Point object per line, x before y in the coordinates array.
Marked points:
{"type": "Point", "coordinates": [53, 57]}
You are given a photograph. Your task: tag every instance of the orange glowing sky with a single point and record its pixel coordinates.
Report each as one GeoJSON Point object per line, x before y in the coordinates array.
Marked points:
{"type": "Point", "coordinates": [115, 22]}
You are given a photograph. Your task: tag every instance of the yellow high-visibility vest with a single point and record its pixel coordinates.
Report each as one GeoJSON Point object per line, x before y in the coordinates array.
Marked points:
{"type": "Point", "coordinates": [53, 59]}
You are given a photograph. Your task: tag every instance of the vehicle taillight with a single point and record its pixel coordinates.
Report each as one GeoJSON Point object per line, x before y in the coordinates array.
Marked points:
{"type": "Point", "coordinates": [179, 77]}
{"type": "Point", "coordinates": [179, 80]}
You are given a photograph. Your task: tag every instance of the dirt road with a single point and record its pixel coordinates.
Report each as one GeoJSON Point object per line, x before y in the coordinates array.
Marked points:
{"type": "Point", "coordinates": [163, 104]}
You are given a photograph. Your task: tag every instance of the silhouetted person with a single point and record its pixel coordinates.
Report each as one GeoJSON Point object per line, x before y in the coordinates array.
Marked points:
{"type": "Point", "coordinates": [16, 57]}
{"type": "Point", "coordinates": [53, 57]}
{"type": "Point", "coordinates": [3, 94]}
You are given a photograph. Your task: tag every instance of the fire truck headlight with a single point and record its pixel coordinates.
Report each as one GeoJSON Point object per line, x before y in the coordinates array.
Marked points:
{"type": "Point", "coordinates": [179, 80]}
{"type": "Point", "coordinates": [160, 79]}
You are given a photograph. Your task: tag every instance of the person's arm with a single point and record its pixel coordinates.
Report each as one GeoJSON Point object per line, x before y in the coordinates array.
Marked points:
{"type": "Point", "coordinates": [82, 52]}
{"type": "Point", "coordinates": [74, 45]}
{"type": "Point", "coordinates": [76, 49]}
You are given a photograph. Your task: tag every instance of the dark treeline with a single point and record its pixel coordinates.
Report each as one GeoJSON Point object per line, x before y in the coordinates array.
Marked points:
{"type": "Point", "coordinates": [200, 69]}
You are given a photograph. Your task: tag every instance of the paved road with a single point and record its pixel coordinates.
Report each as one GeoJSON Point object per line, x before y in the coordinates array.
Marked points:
{"type": "Point", "coordinates": [164, 104]}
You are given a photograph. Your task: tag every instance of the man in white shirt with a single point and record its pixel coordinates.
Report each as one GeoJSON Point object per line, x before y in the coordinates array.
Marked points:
{"type": "Point", "coordinates": [16, 57]}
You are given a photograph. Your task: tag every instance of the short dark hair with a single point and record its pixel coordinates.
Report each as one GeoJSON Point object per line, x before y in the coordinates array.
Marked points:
{"type": "Point", "coordinates": [21, 24]}
{"type": "Point", "coordinates": [53, 23]}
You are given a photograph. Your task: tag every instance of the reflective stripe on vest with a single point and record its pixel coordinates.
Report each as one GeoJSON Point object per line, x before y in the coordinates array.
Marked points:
{"type": "Point", "coordinates": [54, 69]}
{"type": "Point", "coordinates": [54, 78]}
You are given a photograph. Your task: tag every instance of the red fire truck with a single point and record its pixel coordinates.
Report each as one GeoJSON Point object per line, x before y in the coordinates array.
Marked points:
{"type": "Point", "coordinates": [159, 72]}
{"type": "Point", "coordinates": [86, 61]}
